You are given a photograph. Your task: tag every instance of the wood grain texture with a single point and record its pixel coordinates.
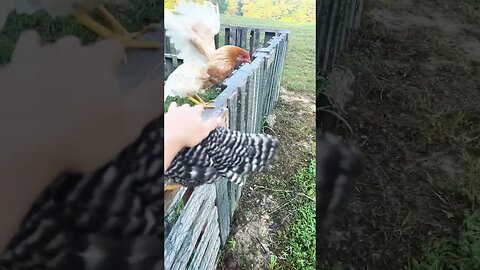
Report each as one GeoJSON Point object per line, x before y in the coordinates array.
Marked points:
{"type": "Point", "coordinates": [223, 206]}
{"type": "Point", "coordinates": [180, 242]}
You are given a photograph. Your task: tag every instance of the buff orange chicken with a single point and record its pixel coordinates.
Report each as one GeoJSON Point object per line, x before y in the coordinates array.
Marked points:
{"type": "Point", "coordinates": [192, 27]}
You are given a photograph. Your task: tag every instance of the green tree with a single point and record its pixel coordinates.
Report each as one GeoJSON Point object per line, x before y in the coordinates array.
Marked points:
{"type": "Point", "coordinates": [294, 11]}
{"type": "Point", "coordinates": [240, 7]}
{"type": "Point", "coordinates": [232, 7]}
{"type": "Point", "coordinates": [285, 10]}
{"type": "Point", "coordinates": [169, 4]}
{"type": "Point", "coordinates": [222, 6]}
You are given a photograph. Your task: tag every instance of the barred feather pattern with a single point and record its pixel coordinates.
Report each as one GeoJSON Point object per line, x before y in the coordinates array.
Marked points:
{"type": "Point", "coordinates": [338, 165]}
{"type": "Point", "coordinates": [109, 219]}
{"type": "Point", "coordinates": [224, 153]}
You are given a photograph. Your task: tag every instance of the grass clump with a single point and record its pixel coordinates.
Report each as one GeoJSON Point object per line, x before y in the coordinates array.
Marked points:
{"type": "Point", "coordinates": [463, 251]}
{"type": "Point", "coordinates": [299, 247]}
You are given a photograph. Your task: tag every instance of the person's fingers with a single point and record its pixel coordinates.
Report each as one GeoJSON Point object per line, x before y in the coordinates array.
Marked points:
{"type": "Point", "coordinates": [69, 42]}
{"type": "Point", "coordinates": [173, 105]}
{"type": "Point", "coordinates": [63, 49]}
{"type": "Point", "coordinates": [28, 44]}
{"type": "Point", "coordinates": [147, 98]}
{"type": "Point", "coordinates": [218, 121]}
{"type": "Point", "coordinates": [213, 123]}
{"type": "Point", "coordinates": [111, 52]}
{"type": "Point", "coordinates": [198, 108]}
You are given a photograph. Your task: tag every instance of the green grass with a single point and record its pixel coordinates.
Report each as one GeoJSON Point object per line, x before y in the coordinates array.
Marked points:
{"type": "Point", "coordinates": [299, 72]}
{"type": "Point", "coordinates": [299, 238]}
{"type": "Point", "coordinates": [461, 252]}
{"type": "Point", "coordinates": [133, 17]}
{"type": "Point", "coordinates": [475, 4]}
{"type": "Point", "coordinates": [209, 95]}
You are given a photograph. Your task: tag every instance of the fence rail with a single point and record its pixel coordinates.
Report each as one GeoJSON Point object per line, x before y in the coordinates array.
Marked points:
{"type": "Point", "coordinates": [337, 21]}
{"type": "Point", "coordinates": [197, 221]}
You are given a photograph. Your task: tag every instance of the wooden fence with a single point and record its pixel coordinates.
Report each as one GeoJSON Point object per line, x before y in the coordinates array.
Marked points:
{"type": "Point", "coordinates": [337, 21]}
{"type": "Point", "coordinates": [197, 221]}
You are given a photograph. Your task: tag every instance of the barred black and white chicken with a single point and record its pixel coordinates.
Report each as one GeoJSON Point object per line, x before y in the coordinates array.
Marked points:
{"type": "Point", "coordinates": [109, 219]}
{"type": "Point", "coordinates": [224, 153]}
{"type": "Point", "coordinates": [113, 218]}
{"type": "Point", "coordinates": [338, 165]}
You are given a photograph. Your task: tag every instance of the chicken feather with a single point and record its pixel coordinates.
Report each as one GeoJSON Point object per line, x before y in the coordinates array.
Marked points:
{"type": "Point", "coordinates": [192, 28]}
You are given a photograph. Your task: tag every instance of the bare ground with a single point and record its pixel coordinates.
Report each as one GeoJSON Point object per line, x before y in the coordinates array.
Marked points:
{"type": "Point", "coordinates": [263, 210]}
{"type": "Point", "coordinates": [415, 115]}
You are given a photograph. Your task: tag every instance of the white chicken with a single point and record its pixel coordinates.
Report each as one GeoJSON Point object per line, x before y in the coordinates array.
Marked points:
{"type": "Point", "coordinates": [80, 9]}
{"type": "Point", "coordinates": [192, 28]}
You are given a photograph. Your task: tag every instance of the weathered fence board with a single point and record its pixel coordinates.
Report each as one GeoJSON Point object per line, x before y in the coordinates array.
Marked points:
{"type": "Point", "coordinates": [194, 238]}
{"type": "Point", "coordinates": [337, 20]}
{"type": "Point", "coordinates": [186, 231]}
{"type": "Point", "coordinates": [199, 258]}
{"type": "Point", "coordinates": [223, 208]}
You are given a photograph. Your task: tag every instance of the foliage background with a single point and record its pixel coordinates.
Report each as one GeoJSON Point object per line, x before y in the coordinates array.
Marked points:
{"type": "Point", "coordinates": [298, 11]}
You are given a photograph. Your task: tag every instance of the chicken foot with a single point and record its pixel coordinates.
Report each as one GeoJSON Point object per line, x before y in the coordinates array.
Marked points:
{"type": "Point", "coordinates": [146, 29]}
{"type": "Point", "coordinates": [171, 187]}
{"type": "Point", "coordinates": [199, 101]}
{"type": "Point", "coordinates": [118, 27]}
{"type": "Point", "coordinates": [117, 31]}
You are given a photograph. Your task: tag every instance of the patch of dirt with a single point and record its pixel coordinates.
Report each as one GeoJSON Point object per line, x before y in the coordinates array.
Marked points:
{"type": "Point", "coordinates": [262, 211]}
{"type": "Point", "coordinates": [452, 29]}
{"type": "Point", "coordinates": [414, 115]}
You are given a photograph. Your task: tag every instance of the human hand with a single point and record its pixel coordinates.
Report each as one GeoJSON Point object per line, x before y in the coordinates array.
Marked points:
{"type": "Point", "coordinates": [62, 109]}
{"type": "Point", "coordinates": [185, 127]}
{"type": "Point", "coordinates": [62, 104]}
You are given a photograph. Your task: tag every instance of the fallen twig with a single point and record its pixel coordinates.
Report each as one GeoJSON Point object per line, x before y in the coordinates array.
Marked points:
{"type": "Point", "coordinates": [338, 116]}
